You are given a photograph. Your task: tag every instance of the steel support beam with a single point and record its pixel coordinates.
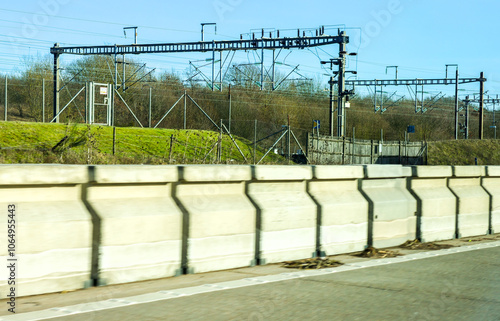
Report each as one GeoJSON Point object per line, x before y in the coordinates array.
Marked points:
{"type": "Point", "coordinates": [411, 82]}
{"type": "Point", "coordinates": [205, 46]}
{"type": "Point", "coordinates": [481, 105]}
{"type": "Point", "coordinates": [456, 104]}
{"type": "Point", "coordinates": [56, 85]}
{"type": "Point", "coordinates": [487, 101]}
{"type": "Point", "coordinates": [341, 87]}
{"type": "Point", "coordinates": [6, 97]}
{"type": "Point", "coordinates": [332, 108]}
{"type": "Point", "coordinates": [481, 102]}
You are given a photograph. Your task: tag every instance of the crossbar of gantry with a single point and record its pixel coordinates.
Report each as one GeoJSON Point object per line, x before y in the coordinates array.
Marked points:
{"type": "Point", "coordinates": [204, 46]}
{"type": "Point", "coordinates": [486, 101]}
{"type": "Point", "coordinates": [411, 82]}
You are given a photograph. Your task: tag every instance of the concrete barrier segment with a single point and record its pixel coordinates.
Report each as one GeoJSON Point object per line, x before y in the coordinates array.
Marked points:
{"type": "Point", "coordinates": [50, 228]}
{"type": "Point", "coordinates": [214, 173]}
{"type": "Point", "coordinates": [342, 221]}
{"type": "Point", "coordinates": [219, 219]}
{"type": "Point", "coordinates": [44, 174]}
{"type": "Point", "coordinates": [431, 171]}
{"type": "Point", "coordinates": [469, 171]}
{"type": "Point", "coordinates": [392, 208]}
{"type": "Point", "coordinates": [473, 202]}
{"type": "Point", "coordinates": [491, 183]}
{"type": "Point", "coordinates": [286, 215]}
{"type": "Point", "coordinates": [135, 174]}
{"type": "Point", "coordinates": [137, 229]}
{"type": "Point", "coordinates": [436, 204]}
{"type": "Point", "coordinates": [281, 173]}
{"type": "Point", "coordinates": [386, 171]}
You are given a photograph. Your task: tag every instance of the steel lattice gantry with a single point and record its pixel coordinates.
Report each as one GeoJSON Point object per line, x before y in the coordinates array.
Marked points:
{"type": "Point", "coordinates": [204, 46]}
{"type": "Point", "coordinates": [201, 46]}
{"type": "Point", "coordinates": [442, 81]}
{"type": "Point", "coordinates": [411, 82]}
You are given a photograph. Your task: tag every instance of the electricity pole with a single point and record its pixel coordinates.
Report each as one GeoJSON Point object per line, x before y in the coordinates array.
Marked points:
{"type": "Point", "coordinates": [331, 82]}
{"type": "Point", "coordinates": [481, 103]}
{"type": "Point", "coordinates": [494, 121]}
{"type": "Point", "coordinates": [341, 88]}
{"type": "Point", "coordinates": [341, 92]}
{"type": "Point", "coordinates": [466, 101]}
{"type": "Point", "coordinates": [56, 84]}
{"type": "Point", "coordinates": [332, 109]}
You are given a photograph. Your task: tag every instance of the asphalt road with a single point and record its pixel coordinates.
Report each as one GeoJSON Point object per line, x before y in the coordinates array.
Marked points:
{"type": "Point", "coordinates": [457, 286]}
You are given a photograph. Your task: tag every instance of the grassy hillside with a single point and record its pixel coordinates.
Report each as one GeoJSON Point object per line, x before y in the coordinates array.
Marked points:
{"type": "Point", "coordinates": [24, 142]}
{"type": "Point", "coordinates": [464, 152]}
{"type": "Point", "coordinates": [27, 142]}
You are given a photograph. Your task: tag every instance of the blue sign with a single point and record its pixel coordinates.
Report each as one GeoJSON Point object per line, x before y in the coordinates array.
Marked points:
{"type": "Point", "coordinates": [316, 124]}
{"type": "Point", "coordinates": [411, 129]}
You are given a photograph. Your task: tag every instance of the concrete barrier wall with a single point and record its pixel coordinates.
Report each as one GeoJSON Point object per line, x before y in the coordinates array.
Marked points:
{"type": "Point", "coordinates": [473, 200]}
{"type": "Point", "coordinates": [53, 228]}
{"type": "Point", "coordinates": [286, 224]}
{"type": "Point", "coordinates": [219, 218]}
{"type": "Point", "coordinates": [139, 226]}
{"type": "Point", "coordinates": [342, 209]}
{"type": "Point", "coordinates": [436, 204]}
{"type": "Point", "coordinates": [80, 226]}
{"type": "Point", "coordinates": [392, 213]}
{"type": "Point", "coordinates": [491, 183]}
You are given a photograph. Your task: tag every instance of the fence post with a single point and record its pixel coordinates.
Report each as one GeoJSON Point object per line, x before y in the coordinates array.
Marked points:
{"type": "Point", "coordinates": [353, 146]}
{"type": "Point", "coordinates": [406, 149]}
{"type": "Point", "coordinates": [6, 100]}
{"type": "Point", "coordinates": [149, 114]}
{"type": "Point", "coordinates": [254, 141]}
{"type": "Point", "coordinates": [288, 156]}
{"type": "Point", "coordinates": [171, 147]}
{"type": "Point", "coordinates": [400, 152]}
{"type": "Point", "coordinates": [185, 108]}
{"type": "Point", "coordinates": [229, 124]}
{"type": "Point", "coordinates": [343, 149]}
{"type": "Point", "coordinates": [219, 146]}
{"type": "Point", "coordinates": [371, 152]}
{"type": "Point", "coordinates": [114, 140]}
{"type": "Point", "coordinates": [426, 146]}
{"type": "Point", "coordinates": [43, 100]}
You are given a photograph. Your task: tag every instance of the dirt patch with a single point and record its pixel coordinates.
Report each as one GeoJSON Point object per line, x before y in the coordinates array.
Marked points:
{"type": "Point", "coordinates": [494, 237]}
{"type": "Point", "coordinates": [309, 264]}
{"type": "Point", "coordinates": [376, 253]}
{"type": "Point", "coordinates": [417, 245]}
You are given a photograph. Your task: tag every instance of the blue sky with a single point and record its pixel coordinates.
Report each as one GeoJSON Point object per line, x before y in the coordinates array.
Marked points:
{"type": "Point", "coordinates": [420, 37]}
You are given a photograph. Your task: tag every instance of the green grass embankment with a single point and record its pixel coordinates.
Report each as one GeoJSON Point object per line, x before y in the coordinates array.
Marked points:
{"type": "Point", "coordinates": [464, 152]}
{"type": "Point", "coordinates": [24, 142]}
